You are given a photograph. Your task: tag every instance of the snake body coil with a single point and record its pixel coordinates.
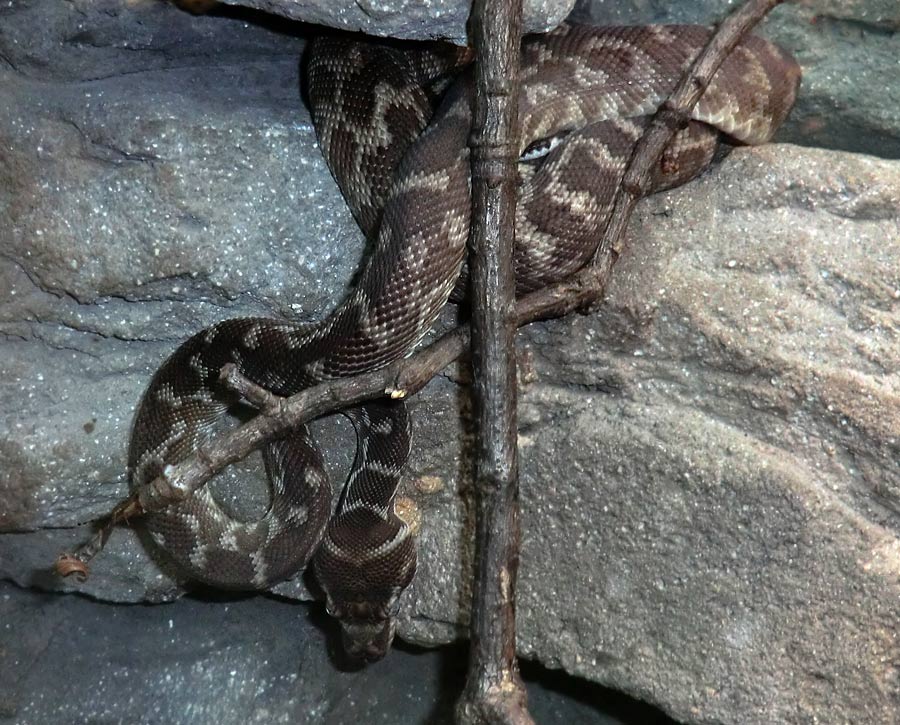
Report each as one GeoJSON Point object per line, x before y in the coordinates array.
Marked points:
{"type": "Point", "coordinates": [393, 124]}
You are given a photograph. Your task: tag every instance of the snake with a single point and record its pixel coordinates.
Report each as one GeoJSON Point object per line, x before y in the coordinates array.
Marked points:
{"type": "Point", "coordinates": [393, 122]}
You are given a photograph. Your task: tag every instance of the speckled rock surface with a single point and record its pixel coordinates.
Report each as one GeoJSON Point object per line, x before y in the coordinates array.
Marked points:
{"type": "Point", "coordinates": [711, 501]}
{"type": "Point", "coordinates": [197, 662]}
{"type": "Point", "coordinates": [421, 20]}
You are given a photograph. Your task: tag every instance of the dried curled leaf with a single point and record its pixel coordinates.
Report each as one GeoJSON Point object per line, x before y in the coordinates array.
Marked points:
{"type": "Point", "coordinates": [68, 564]}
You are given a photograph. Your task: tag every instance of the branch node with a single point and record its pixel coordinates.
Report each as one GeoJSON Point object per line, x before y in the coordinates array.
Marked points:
{"type": "Point", "coordinates": [635, 185]}
{"type": "Point", "coordinates": [499, 87]}
{"type": "Point", "coordinates": [674, 116]}
{"type": "Point", "coordinates": [256, 395]}
{"type": "Point", "coordinates": [166, 488]}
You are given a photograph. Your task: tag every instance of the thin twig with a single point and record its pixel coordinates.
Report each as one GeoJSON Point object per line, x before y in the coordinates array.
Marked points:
{"type": "Point", "coordinates": [277, 415]}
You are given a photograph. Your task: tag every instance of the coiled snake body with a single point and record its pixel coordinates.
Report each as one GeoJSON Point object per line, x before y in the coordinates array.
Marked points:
{"type": "Point", "coordinates": [403, 168]}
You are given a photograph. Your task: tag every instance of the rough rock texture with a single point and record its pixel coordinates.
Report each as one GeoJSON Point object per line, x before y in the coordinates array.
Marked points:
{"type": "Point", "coordinates": [710, 489]}
{"type": "Point", "coordinates": [417, 19]}
{"type": "Point", "coordinates": [55, 667]}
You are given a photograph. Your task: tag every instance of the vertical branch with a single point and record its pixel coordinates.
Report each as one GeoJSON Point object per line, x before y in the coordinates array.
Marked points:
{"type": "Point", "coordinates": [494, 691]}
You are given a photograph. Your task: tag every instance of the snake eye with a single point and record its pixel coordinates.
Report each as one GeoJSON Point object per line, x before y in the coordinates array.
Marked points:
{"type": "Point", "coordinates": [543, 146]}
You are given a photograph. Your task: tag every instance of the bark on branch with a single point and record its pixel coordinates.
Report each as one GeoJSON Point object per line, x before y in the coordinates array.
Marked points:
{"type": "Point", "coordinates": [494, 691]}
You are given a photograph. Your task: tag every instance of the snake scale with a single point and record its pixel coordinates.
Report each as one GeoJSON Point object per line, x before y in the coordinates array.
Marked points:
{"type": "Point", "coordinates": [393, 123]}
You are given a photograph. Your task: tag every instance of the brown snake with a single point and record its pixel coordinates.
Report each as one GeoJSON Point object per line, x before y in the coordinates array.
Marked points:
{"type": "Point", "coordinates": [393, 124]}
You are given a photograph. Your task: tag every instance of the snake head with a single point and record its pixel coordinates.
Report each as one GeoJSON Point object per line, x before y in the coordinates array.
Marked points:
{"type": "Point", "coordinates": [364, 563]}
{"type": "Point", "coordinates": [367, 628]}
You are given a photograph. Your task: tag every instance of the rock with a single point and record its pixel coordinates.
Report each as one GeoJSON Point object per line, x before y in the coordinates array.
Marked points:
{"type": "Point", "coordinates": [427, 20]}
{"type": "Point", "coordinates": [213, 667]}
{"type": "Point", "coordinates": [711, 493]}
{"type": "Point", "coordinates": [848, 49]}
{"type": "Point", "coordinates": [710, 487]}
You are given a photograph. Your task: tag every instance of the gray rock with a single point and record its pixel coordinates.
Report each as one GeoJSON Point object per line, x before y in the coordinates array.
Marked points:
{"type": "Point", "coordinates": [710, 486]}
{"type": "Point", "coordinates": [421, 20]}
{"type": "Point", "coordinates": [197, 662]}
{"type": "Point", "coordinates": [721, 446]}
